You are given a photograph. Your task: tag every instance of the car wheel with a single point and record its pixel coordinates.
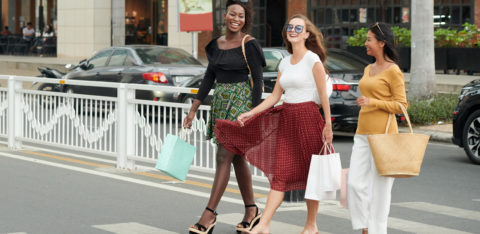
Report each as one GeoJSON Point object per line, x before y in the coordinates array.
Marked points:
{"type": "Point", "coordinates": [471, 137]}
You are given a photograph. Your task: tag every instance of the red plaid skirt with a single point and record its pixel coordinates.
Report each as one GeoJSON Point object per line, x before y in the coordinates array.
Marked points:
{"type": "Point", "coordinates": [279, 141]}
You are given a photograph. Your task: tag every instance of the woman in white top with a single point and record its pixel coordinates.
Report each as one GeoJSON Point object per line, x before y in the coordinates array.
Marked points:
{"type": "Point", "coordinates": [281, 140]}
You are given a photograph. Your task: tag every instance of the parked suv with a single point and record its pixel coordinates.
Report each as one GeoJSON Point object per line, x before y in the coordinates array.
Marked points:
{"type": "Point", "coordinates": [466, 121]}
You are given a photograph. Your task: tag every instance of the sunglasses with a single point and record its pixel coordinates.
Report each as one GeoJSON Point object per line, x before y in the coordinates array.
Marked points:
{"type": "Point", "coordinates": [378, 26]}
{"type": "Point", "coordinates": [244, 1]}
{"type": "Point", "coordinates": [297, 28]}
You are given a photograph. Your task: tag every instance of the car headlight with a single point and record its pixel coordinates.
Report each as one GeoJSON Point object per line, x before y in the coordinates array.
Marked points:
{"type": "Point", "coordinates": [182, 79]}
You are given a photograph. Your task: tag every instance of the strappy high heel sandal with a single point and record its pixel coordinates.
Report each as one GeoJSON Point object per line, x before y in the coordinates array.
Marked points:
{"type": "Point", "coordinates": [200, 229]}
{"type": "Point", "coordinates": [248, 226]}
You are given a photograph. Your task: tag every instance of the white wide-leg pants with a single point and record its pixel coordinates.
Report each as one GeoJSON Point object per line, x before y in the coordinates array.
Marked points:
{"type": "Point", "coordinates": [368, 194]}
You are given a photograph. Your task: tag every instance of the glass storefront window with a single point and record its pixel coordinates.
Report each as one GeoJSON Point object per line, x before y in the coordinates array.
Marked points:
{"type": "Point", "coordinates": [146, 22]}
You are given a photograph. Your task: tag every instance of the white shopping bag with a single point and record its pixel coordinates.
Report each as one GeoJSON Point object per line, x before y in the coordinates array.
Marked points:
{"type": "Point", "coordinates": [325, 175]}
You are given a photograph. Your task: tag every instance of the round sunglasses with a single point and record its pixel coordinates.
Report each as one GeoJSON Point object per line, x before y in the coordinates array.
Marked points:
{"type": "Point", "coordinates": [297, 28]}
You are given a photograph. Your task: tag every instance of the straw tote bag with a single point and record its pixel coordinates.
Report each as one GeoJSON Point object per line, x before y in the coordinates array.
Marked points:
{"type": "Point", "coordinates": [398, 155]}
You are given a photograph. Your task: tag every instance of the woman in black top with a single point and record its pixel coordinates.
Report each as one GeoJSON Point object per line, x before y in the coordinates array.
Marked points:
{"type": "Point", "coordinates": [233, 96]}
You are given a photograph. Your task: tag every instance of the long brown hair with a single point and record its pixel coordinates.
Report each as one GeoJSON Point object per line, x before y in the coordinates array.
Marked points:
{"type": "Point", "coordinates": [314, 41]}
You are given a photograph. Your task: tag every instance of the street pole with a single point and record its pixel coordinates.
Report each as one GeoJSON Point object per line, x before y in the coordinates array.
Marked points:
{"type": "Point", "coordinates": [195, 45]}
{"type": "Point", "coordinates": [422, 80]}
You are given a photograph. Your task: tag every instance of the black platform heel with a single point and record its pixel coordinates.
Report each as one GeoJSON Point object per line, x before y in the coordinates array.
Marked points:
{"type": "Point", "coordinates": [248, 226]}
{"type": "Point", "coordinates": [200, 229]}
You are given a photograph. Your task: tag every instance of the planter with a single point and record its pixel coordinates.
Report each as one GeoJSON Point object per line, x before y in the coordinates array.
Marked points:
{"type": "Point", "coordinates": [463, 58]}
{"type": "Point", "coordinates": [405, 58]}
{"type": "Point", "coordinates": [441, 58]}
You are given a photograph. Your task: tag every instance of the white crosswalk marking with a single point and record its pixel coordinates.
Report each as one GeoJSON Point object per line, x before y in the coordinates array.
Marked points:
{"type": "Point", "coordinates": [439, 209]}
{"type": "Point", "coordinates": [129, 228]}
{"type": "Point", "coordinates": [275, 227]}
{"type": "Point", "coordinates": [335, 210]}
{"type": "Point", "coordinates": [17, 233]}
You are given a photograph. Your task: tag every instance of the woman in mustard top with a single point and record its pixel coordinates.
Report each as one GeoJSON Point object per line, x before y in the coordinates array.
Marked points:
{"type": "Point", "coordinates": [381, 87]}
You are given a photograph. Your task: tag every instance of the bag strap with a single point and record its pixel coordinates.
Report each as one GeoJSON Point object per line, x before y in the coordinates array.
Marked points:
{"type": "Point", "coordinates": [405, 113]}
{"type": "Point", "coordinates": [184, 132]}
{"type": "Point", "coordinates": [327, 148]}
{"type": "Point", "coordinates": [245, 56]}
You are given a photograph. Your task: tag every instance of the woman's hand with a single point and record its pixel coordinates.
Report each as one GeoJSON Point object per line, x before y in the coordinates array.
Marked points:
{"type": "Point", "coordinates": [244, 117]}
{"type": "Point", "coordinates": [363, 101]}
{"type": "Point", "coordinates": [328, 133]}
{"type": "Point", "coordinates": [187, 122]}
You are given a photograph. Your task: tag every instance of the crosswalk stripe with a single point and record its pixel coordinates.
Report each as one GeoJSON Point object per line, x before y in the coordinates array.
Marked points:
{"type": "Point", "coordinates": [17, 233]}
{"type": "Point", "coordinates": [335, 210]}
{"type": "Point", "coordinates": [128, 228]}
{"type": "Point", "coordinates": [439, 209]}
{"type": "Point", "coordinates": [275, 227]}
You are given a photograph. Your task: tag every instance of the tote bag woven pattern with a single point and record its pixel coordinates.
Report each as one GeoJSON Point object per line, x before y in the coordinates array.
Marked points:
{"type": "Point", "coordinates": [324, 175]}
{"type": "Point", "coordinates": [398, 155]}
{"type": "Point", "coordinates": [175, 157]}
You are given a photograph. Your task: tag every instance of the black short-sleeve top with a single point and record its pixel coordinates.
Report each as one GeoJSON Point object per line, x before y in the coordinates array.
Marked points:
{"type": "Point", "coordinates": [229, 66]}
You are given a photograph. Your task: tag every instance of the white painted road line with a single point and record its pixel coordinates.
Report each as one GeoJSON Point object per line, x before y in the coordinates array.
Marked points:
{"type": "Point", "coordinates": [140, 167]}
{"type": "Point", "coordinates": [129, 228]}
{"type": "Point", "coordinates": [440, 209]}
{"type": "Point", "coordinates": [333, 209]}
{"type": "Point", "coordinates": [123, 178]}
{"type": "Point", "coordinates": [275, 227]}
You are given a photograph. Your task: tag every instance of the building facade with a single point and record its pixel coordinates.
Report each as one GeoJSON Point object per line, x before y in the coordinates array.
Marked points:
{"type": "Point", "coordinates": [83, 27]}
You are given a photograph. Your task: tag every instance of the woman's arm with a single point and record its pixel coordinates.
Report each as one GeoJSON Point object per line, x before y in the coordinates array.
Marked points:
{"type": "Point", "coordinates": [205, 87]}
{"type": "Point", "coordinates": [267, 103]}
{"type": "Point", "coordinates": [256, 61]}
{"type": "Point", "coordinates": [397, 88]}
{"type": "Point", "coordinates": [319, 76]}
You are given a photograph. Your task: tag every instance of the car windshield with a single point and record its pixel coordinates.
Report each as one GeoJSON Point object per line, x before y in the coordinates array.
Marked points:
{"type": "Point", "coordinates": [337, 62]}
{"type": "Point", "coordinates": [163, 55]}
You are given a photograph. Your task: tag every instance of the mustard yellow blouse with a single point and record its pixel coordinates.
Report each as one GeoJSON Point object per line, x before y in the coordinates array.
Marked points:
{"type": "Point", "coordinates": [383, 90]}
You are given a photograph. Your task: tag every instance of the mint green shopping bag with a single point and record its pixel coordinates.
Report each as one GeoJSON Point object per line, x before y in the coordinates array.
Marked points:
{"type": "Point", "coordinates": [175, 157]}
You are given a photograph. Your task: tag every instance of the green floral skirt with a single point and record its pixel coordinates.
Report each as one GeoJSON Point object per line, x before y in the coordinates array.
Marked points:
{"type": "Point", "coordinates": [229, 101]}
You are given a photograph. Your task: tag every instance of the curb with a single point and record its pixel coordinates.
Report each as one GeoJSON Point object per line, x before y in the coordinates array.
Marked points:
{"type": "Point", "coordinates": [435, 136]}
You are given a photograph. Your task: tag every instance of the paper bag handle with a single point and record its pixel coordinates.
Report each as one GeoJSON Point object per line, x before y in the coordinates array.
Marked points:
{"type": "Point", "coordinates": [184, 133]}
{"type": "Point", "coordinates": [327, 148]}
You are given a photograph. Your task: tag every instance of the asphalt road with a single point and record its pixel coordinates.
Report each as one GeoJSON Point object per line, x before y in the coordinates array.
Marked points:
{"type": "Point", "coordinates": [54, 191]}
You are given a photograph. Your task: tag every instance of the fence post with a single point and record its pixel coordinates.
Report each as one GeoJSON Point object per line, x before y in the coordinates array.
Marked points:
{"type": "Point", "coordinates": [125, 127]}
{"type": "Point", "coordinates": [15, 116]}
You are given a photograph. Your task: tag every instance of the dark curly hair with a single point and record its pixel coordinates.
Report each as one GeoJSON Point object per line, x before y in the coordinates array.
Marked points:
{"type": "Point", "coordinates": [247, 6]}
{"type": "Point", "coordinates": [384, 33]}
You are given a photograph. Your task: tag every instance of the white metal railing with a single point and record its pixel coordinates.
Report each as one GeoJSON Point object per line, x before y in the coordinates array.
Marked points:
{"type": "Point", "coordinates": [3, 111]}
{"type": "Point", "coordinates": [123, 127]}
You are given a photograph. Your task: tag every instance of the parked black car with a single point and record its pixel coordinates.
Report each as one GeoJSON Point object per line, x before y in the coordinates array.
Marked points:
{"type": "Point", "coordinates": [466, 121]}
{"type": "Point", "coordinates": [138, 64]}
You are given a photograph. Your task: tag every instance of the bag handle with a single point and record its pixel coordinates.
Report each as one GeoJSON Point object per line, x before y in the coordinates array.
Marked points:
{"type": "Point", "coordinates": [405, 113]}
{"type": "Point", "coordinates": [327, 148]}
{"type": "Point", "coordinates": [245, 56]}
{"type": "Point", "coordinates": [184, 132]}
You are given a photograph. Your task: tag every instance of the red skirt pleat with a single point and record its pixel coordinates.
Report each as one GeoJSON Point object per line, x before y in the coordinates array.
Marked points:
{"type": "Point", "coordinates": [279, 141]}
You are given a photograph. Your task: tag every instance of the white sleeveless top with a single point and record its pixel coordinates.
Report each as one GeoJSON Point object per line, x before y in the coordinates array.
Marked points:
{"type": "Point", "coordinates": [298, 81]}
